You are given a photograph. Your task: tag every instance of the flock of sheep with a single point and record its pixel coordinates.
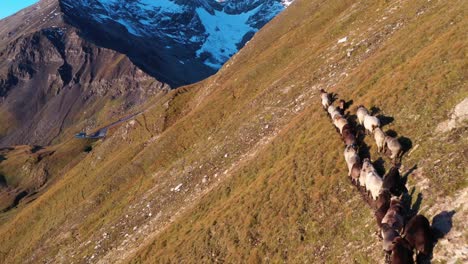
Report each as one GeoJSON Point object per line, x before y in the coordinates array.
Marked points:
{"type": "Point", "coordinates": [400, 237]}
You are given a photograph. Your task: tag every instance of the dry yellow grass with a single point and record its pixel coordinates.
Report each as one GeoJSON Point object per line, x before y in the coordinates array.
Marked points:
{"type": "Point", "coordinates": [261, 167]}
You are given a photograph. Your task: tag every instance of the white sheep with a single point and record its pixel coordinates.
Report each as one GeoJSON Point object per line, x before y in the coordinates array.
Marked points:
{"type": "Point", "coordinates": [374, 184]}
{"type": "Point", "coordinates": [361, 113]}
{"type": "Point", "coordinates": [351, 157]}
{"type": "Point", "coordinates": [366, 167]}
{"type": "Point", "coordinates": [326, 100]}
{"type": "Point", "coordinates": [371, 123]}
{"type": "Point", "coordinates": [394, 146]}
{"type": "Point", "coordinates": [339, 121]}
{"type": "Point", "coordinates": [379, 137]}
{"type": "Point", "coordinates": [333, 111]}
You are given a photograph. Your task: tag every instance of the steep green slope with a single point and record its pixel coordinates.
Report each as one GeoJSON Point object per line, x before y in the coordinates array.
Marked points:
{"type": "Point", "coordinates": [245, 166]}
{"type": "Point", "coordinates": [293, 203]}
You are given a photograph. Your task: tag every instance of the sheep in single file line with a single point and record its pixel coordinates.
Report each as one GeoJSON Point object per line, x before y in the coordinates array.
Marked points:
{"type": "Point", "coordinates": [394, 147]}
{"type": "Point", "coordinates": [382, 205]}
{"type": "Point", "coordinates": [379, 137]}
{"type": "Point", "coordinates": [394, 216]}
{"type": "Point", "coordinates": [419, 235]}
{"type": "Point", "coordinates": [370, 179]}
{"type": "Point", "coordinates": [351, 157]}
{"type": "Point", "coordinates": [371, 123]}
{"type": "Point", "coordinates": [333, 111]}
{"type": "Point", "coordinates": [355, 172]}
{"type": "Point", "coordinates": [366, 167]}
{"type": "Point", "coordinates": [361, 113]}
{"type": "Point", "coordinates": [326, 99]}
{"type": "Point", "coordinates": [339, 122]}
{"type": "Point", "coordinates": [402, 253]}
{"type": "Point", "coordinates": [388, 236]}
{"type": "Point", "coordinates": [385, 191]}
{"type": "Point", "coordinates": [348, 135]}
{"type": "Point", "coordinates": [393, 182]}
{"type": "Point", "coordinates": [373, 184]}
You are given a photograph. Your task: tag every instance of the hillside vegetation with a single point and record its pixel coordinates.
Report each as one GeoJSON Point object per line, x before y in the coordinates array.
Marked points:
{"type": "Point", "coordinates": [245, 166]}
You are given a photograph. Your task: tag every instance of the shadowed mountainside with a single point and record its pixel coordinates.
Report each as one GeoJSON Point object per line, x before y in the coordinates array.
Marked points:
{"type": "Point", "coordinates": [51, 79]}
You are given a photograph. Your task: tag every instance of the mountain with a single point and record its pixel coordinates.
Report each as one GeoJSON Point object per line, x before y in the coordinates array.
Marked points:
{"type": "Point", "coordinates": [68, 65]}
{"type": "Point", "coordinates": [245, 166]}
{"type": "Point", "coordinates": [179, 41]}
{"type": "Point", "coordinates": [52, 79]}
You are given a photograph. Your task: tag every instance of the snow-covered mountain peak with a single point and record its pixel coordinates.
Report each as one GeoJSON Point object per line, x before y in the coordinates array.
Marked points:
{"type": "Point", "coordinates": [191, 32]}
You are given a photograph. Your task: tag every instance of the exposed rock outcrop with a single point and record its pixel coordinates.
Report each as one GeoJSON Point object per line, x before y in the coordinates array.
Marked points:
{"type": "Point", "coordinates": [458, 116]}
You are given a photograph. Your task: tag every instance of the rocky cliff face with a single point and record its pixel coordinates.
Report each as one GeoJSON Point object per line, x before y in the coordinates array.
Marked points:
{"type": "Point", "coordinates": [52, 79]}
{"type": "Point", "coordinates": [179, 41]}
{"type": "Point", "coordinates": [68, 63]}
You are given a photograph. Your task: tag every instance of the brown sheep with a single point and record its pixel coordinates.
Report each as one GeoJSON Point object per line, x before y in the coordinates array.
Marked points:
{"type": "Point", "coordinates": [419, 234]}
{"type": "Point", "coordinates": [388, 235]}
{"type": "Point", "coordinates": [382, 204]}
{"type": "Point", "coordinates": [394, 216]}
{"type": "Point", "coordinates": [348, 136]}
{"type": "Point", "coordinates": [393, 182]}
{"type": "Point", "coordinates": [402, 252]}
{"type": "Point", "coordinates": [355, 172]}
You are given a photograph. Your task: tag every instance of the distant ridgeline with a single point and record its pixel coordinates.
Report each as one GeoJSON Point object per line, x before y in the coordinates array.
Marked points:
{"type": "Point", "coordinates": [178, 42]}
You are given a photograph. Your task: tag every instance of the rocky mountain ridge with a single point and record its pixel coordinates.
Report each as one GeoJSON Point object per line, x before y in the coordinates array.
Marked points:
{"type": "Point", "coordinates": [52, 79]}
{"type": "Point", "coordinates": [70, 63]}
{"type": "Point", "coordinates": [179, 42]}
{"type": "Point", "coordinates": [59, 44]}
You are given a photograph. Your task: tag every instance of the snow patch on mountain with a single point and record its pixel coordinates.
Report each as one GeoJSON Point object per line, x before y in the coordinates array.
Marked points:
{"type": "Point", "coordinates": [224, 32]}
{"type": "Point", "coordinates": [287, 3]}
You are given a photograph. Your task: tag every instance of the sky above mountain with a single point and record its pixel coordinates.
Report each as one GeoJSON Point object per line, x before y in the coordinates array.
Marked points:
{"type": "Point", "coordinates": [9, 7]}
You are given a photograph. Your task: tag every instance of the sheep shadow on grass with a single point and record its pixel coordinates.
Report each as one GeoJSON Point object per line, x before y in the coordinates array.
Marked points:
{"type": "Point", "coordinates": [364, 150]}
{"type": "Point", "coordinates": [442, 223]}
{"type": "Point", "coordinates": [441, 226]}
{"type": "Point", "coordinates": [405, 176]}
{"type": "Point", "coordinates": [348, 104]}
{"type": "Point", "coordinates": [391, 133]}
{"type": "Point", "coordinates": [352, 121]}
{"type": "Point", "coordinates": [385, 120]}
{"type": "Point", "coordinates": [379, 165]}
{"type": "Point", "coordinates": [374, 110]}
{"type": "Point", "coordinates": [406, 143]}
{"type": "Point", "coordinates": [411, 208]}
{"type": "Point", "coordinates": [333, 97]}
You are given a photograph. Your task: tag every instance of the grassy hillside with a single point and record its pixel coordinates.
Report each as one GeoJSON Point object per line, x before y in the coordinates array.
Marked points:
{"type": "Point", "coordinates": [246, 167]}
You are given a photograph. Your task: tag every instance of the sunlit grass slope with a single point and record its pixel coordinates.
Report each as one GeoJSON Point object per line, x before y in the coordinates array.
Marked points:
{"type": "Point", "coordinates": [245, 166]}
